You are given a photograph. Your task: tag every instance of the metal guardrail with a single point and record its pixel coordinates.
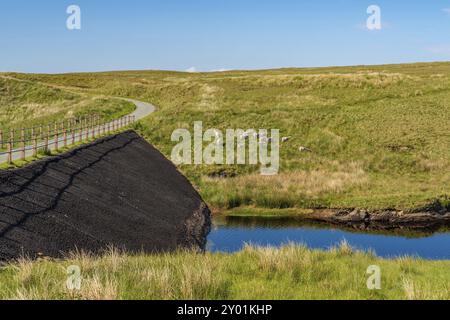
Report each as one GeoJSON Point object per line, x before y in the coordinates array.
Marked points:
{"type": "Point", "coordinates": [57, 134]}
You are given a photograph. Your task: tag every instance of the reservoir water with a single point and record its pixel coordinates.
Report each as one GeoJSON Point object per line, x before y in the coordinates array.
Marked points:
{"type": "Point", "coordinates": [232, 233]}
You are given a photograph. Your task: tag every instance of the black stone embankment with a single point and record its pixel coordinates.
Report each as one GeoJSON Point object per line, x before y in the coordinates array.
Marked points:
{"type": "Point", "coordinates": [118, 191]}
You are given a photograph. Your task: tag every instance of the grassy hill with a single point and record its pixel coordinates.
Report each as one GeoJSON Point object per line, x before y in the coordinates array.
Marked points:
{"type": "Point", "coordinates": [24, 103]}
{"type": "Point", "coordinates": [380, 135]}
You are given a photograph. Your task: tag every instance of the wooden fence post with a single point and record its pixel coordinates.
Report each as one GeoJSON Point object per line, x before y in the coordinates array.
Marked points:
{"type": "Point", "coordinates": [56, 136]}
{"type": "Point", "coordinates": [81, 129]}
{"type": "Point", "coordinates": [1, 139]}
{"type": "Point", "coordinates": [74, 129]}
{"type": "Point", "coordinates": [39, 136]}
{"type": "Point", "coordinates": [99, 126]}
{"type": "Point", "coordinates": [86, 128]}
{"type": "Point", "coordinates": [64, 129]}
{"type": "Point", "coordinates": [40, 132]}
{"type": "Point", "coordinates": [91, 126]}
{"type": "Point", "coordinates": [22, 138]}
{"type": "Point", "coordinates": [33, 137]}
{"type": "Point", "coordinates": [94, 124]}
{"type": "Point", "coordinates": [46, 138]}
{"type": "Point", "coordinates": [10, 145]}
{"type": "Point", "coordinates": [88, 124]}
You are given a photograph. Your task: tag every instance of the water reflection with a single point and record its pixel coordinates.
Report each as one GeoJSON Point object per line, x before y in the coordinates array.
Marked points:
{"type": "Point", "coordinates": [230, 234]}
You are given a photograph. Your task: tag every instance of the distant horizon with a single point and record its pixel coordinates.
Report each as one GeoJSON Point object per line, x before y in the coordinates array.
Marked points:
{"type": "Point", "coordinates": [233, 70]}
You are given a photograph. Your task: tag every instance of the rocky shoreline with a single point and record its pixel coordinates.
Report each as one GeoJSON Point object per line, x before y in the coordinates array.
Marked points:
{"type": "Point", "coordinates": [384, 219]}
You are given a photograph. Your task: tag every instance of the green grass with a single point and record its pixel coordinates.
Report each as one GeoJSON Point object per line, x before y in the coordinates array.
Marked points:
{"type": "Point", "coordinates": [292, 272]}
{"type": "Point", "coordinates": [380, 135]}
{"type": "Point", "coordinates": [263, 212]}
{"type": "Point", "coordinates": [26, 103]}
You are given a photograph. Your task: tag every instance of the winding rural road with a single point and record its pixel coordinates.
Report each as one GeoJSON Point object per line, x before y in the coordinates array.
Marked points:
{"type": "Point", "coordinates": [143, 109]}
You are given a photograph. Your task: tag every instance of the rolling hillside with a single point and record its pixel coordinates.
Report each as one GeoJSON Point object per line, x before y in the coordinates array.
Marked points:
{"type": "Point", "coordinates": [380, 135]}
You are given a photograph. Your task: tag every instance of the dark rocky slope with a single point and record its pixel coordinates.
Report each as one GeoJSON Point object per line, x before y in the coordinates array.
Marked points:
{"type": "Point", "coordinates": [117, 191]}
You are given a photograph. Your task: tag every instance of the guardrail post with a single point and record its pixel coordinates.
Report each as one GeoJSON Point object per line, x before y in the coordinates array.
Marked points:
{"type": "Point", "coordinates": [81, 129]}
{"type": "Point", "coordinates": [10, 145]}
{"type": "Point", "coordinates": [9, 152]}
{"type": "Point", "coordinates": [33, 137]}
{"type": "Point", "coordinates": [86, 129]}
{"type": "Point", "coordinates": [74, 128]}
{"type": "Point", "coordinates": [46, 138]}
{"type": "Point", "coordinates": [22, 142]}
{"type": "Point", "coordinates": [40, 132]}
{"type": "Point", "coordinates": [64, 134]}
{"type": "Point", "coordinates": [99, 126]}
{"type": "Point", "coordinates": [93, 127]}
{"type": "Point", "coordinates": [56, 136]}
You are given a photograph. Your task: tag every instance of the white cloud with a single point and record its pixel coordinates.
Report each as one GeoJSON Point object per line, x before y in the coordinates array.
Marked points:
{"type": "Point", "coordinates": [220, 70]}
{"type": "Point", "coordinates": [192, 70]}
{"type": "Point", "coordinates": [446, 10]}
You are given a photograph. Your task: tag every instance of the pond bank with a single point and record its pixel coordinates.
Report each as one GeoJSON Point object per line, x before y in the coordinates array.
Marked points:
{"type": "Point", "coordinates": [232, 233]}
{"type": "Point", "coordinates": [430, 219]}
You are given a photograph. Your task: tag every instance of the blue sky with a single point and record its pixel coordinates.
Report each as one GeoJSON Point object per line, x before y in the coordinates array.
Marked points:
{"type": "Point", "coordinates": [218, 34]}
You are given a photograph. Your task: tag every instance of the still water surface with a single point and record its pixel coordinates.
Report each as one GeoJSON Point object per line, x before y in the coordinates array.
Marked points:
{"type": "Point", "coordinates": [231, 234]}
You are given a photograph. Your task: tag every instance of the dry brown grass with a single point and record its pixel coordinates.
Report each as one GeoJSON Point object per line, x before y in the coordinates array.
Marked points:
{"type": "Point", "coordinates": [298, 183]}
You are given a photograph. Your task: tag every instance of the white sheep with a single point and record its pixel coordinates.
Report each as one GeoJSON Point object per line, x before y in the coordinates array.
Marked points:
{"type": "Point", "coordinates": [304, 149]}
